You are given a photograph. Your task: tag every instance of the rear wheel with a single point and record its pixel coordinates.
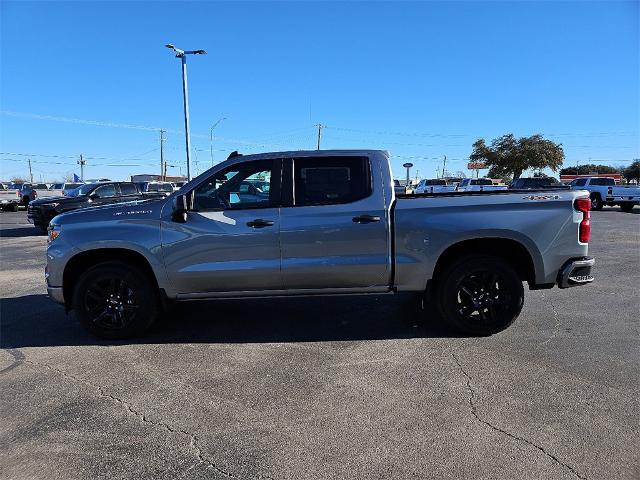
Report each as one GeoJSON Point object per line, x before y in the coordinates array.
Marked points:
{"type": "Point", "coordinates": [113, 300]}
{"type": "Point", "coordinates": [596, 202]}
{"type": "Point", "coordinates": [479, 295]}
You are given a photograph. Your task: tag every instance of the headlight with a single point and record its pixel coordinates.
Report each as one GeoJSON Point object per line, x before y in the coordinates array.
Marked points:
{"type": "Point", "coordinates": [54, 232]}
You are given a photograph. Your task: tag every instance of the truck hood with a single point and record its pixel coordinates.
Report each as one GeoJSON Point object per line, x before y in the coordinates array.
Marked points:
{"type": "Point", "coordinates": [57, 199]}
{"type": "Point", "coordinates": [138, 209]}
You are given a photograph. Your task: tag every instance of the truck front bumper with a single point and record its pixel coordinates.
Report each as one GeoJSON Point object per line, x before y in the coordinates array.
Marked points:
{"type": "Point", "coordinates": [576, 272]}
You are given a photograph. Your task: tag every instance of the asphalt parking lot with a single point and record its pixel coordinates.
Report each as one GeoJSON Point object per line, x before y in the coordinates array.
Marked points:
{"type": "Point", "coordinates": [325, 388]}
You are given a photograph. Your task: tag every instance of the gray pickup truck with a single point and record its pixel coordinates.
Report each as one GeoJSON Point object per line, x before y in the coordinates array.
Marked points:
{"type": "Point", "coordinates": [316, 223]}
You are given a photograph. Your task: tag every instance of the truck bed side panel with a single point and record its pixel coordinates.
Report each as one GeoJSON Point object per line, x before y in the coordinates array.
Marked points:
{"type": "Point", "coordinates": [545, 224]}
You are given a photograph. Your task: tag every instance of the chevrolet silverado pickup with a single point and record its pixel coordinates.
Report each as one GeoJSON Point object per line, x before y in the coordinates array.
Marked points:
{"type": "Point", "coordinates": [316, 223]}
{"type": "Point", "coordinates": [604, 191]}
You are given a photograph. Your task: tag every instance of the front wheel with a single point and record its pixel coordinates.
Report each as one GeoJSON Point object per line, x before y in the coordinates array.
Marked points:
{"type": "Point", "coordinates": [113, 300]}
{"type": "Point", "coordinates": [479, 295]}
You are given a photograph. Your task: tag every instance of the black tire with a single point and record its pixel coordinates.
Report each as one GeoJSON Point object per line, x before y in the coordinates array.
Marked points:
{"type": "Point", "coordinates": [596, 202]}
{"type": "Point", "coordinates": [26, 200]}
{"type": "Point", "coordinates": [42, 228]}
{"type": "Point", "coordinates": [113, 300]}
{"type": "Point", "coordinates": [14, 207]}
{"type": "Point", "coordinates": [479, 295]}
{"type": "Point", "coordinates": [626, 207]}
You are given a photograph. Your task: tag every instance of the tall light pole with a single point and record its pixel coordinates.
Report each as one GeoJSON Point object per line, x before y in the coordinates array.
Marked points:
{"type": "Point", "coordinates": [213, 127]}
{"type": "Point", "coordinates": [182, 55]}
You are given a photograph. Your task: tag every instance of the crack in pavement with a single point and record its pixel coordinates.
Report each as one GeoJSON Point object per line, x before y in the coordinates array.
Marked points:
{"type": "Point", "coordinates": [474, 412]}
{"type": "Point", "coordinates": [556, 319]}
{"type": "Point", "coordinates": [193, 439]}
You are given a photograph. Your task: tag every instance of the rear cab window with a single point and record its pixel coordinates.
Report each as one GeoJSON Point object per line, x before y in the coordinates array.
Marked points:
{"type": "Point", "coordinates": [330, 180]}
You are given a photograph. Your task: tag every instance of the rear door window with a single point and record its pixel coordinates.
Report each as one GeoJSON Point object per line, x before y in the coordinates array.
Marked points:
{"type": "Point", "coordinates": [128, 189]}
{"type": "Point", "coordinates": [330, 180]}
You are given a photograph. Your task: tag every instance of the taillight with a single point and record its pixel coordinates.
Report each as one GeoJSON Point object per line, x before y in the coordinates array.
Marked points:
{"type": "Point", "coordinates": [584, 205]}
{"type": "Point", "coordinates": [34, 194]}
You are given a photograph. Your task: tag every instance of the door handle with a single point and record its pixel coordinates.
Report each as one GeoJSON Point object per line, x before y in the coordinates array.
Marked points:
{"type": "Point", "coordinates": [366, 219]}
{"type": "Point", "coordinates": [260, 223]}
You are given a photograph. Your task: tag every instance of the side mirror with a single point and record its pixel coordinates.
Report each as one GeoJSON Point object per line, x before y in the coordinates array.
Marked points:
{"type": "Point", "coordinates": [179, 212]}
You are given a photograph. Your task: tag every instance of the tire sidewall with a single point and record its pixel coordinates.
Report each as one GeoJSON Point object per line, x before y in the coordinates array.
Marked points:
{"type": "Point", "coordinates": [144, 291]}
{"type": "Point", "coordinates": [596, 202]}
{"type": "Point", "coordinates": [447, 290]}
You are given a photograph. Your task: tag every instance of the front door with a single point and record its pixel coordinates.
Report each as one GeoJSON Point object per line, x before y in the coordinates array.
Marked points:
{"type": "Point", "coordinates": [335, 232]}
{"type": "Point", "coordinates": [230, 240]}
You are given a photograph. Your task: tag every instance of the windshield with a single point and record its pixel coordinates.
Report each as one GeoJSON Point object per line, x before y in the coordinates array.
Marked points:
{"type": "Point", "coordinates": [82, 190]}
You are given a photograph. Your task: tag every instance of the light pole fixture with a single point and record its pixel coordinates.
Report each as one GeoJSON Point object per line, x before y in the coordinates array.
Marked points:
{"type": "Point", "coordinates": [213, 127]}
{"type": "Point", "coordinates": [182, 55]}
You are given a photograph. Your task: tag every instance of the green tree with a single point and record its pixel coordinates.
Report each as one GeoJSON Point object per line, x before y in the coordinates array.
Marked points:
{"type": "Point", "coordinates": [588, 168]}
{"type": "Point", "coordinates": [632, 172]}
{"type": "Point", "coordinates": [508, 156]}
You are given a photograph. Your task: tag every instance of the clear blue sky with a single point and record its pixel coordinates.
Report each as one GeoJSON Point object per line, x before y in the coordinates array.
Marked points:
{"type": "Point", "coordinates": [422, 80]}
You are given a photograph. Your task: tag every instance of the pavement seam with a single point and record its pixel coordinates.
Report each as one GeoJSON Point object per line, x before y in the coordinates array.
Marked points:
{"type": "Point", "coordinates": [474, 412]}
{"type": "Point", "coordinates": [193, 439]}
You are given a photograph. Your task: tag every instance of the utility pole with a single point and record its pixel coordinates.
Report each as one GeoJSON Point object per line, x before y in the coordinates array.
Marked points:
{"type": "Point", "coordinates": [213, 127]}
{"type": "Point", "coordinates": [30, 172]}
{"type": "Point", "coordinates": [81, 162]}
{"type": "Point", "coordinates": [162, 154]}
{"type": "Point", "coordinates": [444, 166]}
{"type": "Point", "coordinates": [320, 127]}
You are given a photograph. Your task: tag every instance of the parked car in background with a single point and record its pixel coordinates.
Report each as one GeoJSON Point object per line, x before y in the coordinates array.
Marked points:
{"type": "Point", "coordinates": [62, 189]}
{"type": "Point", "coordinates": [330, 224]}
{"type": "Point", "coordinates": [178, 185]}
{"type": "Point", "coordinates": [604, 191]}
{"type": "Point", "coordinates": [32, 191]}
{"type": "Point", "coordinates": [398, 188]}
{"type": "Point", "coordinates": [8, 199]}
{"type": "Point", "coordinates": [40, 212]}
{"type": "Point", "coordinates": [532, 183]}
{"type": "Point", "coordinates": [436, 185]}
{"type": "Point", "coordinates": [157, 187]}
{"type": "Point", "coordinates": [478, 185]}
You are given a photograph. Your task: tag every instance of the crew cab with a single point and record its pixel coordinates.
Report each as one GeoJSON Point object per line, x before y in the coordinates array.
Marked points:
{"type": "Point", "coordinates": [478, 185]}
{"type": "Point", "coordinates": [436, 185]}
{"type": "Point", "coordinates": [329, 223]}
{"type": "Point", "coordinates": [604, 191]}
{"type": "Point", "coordinates": [41, 211]}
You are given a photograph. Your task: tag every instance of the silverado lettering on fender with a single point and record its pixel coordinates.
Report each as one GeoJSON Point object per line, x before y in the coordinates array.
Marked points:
{"type": "Point", "coordinates": [316, 223]}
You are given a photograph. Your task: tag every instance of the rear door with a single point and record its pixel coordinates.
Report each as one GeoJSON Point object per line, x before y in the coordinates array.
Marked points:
{"type": "Point", "coordinates": [334, 230]}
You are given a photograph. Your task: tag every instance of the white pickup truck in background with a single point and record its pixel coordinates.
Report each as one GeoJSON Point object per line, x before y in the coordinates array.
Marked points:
{"type": "Point", "coordinates": [478, 185]}
{"type": "Point", "coordinates": [437, 185]}
{"type": "Point", "coordinates": [604, 191]}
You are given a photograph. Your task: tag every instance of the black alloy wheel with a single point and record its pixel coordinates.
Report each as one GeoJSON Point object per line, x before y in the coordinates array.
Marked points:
{"type": "Point", "coordinates": [115, 300]}
{"type": "Point", "coordinates": [480, 295]}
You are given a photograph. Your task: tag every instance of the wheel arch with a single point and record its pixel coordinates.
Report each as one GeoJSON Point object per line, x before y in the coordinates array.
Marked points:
{"type": "Point", "coordinates": [512, 251]}
{"type": "Point", "coordinates": [84, 260]}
